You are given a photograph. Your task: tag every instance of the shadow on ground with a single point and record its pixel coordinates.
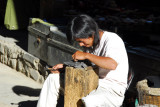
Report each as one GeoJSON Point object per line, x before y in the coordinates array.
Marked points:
{"type": "Point", "coordinates": [34, 103]}
{"type": "Point", "coordinates": [26, 103]}
{"type": "Point", "coordinates": [23, 90]}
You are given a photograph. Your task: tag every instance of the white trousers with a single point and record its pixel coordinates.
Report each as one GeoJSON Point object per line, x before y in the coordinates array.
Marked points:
{"type": "Point", "coordinates": [50, 91]}
{"type": "Point", "coordinates": [106, 95]}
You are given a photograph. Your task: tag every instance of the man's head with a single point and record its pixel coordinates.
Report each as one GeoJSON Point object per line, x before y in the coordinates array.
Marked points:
{"type": "Point", "coordinates": [86, 42]}
{"type": "Point", "coordinates": [83, 29]}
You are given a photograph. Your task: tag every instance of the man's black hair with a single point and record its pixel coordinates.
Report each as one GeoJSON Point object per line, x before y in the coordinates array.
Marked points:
{"type": "Point", "coordinates": [83, 26]}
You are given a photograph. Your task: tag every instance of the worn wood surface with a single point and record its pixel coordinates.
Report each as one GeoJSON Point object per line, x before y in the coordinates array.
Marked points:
{"type": "Point", "coordinates": [149, 99]}
{"type": "Point", "coordinates": [78, 83]}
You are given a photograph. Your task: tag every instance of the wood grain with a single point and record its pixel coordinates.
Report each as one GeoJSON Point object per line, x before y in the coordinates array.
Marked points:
{"type": "Point", "coordinates": [78, 83]}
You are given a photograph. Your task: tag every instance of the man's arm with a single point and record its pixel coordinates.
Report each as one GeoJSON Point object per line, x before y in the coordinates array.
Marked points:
{"type": "Point", "coordinates": [103, 62]}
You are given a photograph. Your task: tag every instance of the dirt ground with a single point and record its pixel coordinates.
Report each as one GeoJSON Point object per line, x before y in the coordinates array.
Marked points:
{"type": "Point", "coordinates": [17, 90]}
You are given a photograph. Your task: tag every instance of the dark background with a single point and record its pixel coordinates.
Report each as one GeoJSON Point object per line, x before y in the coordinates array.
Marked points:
{"type": "Point", "coordinates": [136, 21]}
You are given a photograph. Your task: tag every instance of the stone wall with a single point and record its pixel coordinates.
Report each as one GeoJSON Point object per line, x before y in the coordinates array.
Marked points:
{"type": "Point", "coordinates": [18, 59]}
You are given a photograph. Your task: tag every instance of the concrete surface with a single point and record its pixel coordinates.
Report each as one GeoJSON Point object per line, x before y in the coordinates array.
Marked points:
{"type": "Point", "coordinates": [17, 90]}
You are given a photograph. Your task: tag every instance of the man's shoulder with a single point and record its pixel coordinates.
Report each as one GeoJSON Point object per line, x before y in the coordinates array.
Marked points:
{"type": "Point", "coordinates": [111, 36]}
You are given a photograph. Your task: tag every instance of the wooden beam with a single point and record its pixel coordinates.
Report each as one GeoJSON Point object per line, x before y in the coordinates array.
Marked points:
{"type": "Point", "coordinates": [79, 82]}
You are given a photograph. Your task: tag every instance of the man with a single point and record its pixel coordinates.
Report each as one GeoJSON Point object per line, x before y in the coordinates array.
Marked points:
{"type": "Point", "coordinates": [105, 50]}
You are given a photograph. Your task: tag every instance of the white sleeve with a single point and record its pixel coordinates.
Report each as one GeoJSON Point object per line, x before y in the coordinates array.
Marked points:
{"type": "Point", "coordinates": [115, 49]}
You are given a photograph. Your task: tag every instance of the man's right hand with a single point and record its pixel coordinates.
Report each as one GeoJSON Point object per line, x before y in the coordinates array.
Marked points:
{"type": "Point", "coordinates": [56, 68]}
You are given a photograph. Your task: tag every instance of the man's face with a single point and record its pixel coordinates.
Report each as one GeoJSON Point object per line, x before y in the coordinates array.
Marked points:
{"type": "Point", "coordinates": [86, 42]}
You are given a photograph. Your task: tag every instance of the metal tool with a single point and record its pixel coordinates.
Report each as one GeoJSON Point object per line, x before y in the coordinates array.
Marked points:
{"type": "Point", "coordinates": [77, 64]}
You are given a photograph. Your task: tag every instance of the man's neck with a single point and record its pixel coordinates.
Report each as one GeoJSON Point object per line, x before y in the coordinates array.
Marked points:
{"type": "Point", "coordinates": [100, 34]}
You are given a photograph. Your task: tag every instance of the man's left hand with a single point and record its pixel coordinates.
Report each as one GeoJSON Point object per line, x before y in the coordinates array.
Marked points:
{"type": "Point", "coordinates": [79, 55]}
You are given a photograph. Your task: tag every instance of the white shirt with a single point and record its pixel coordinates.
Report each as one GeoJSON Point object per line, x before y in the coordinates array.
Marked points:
{"type": "Point", "coordinates": [111, 45]}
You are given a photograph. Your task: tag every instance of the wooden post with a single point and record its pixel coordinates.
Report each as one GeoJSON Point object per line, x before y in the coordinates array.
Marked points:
{"type": "Point", "coordinates": [79, 82]}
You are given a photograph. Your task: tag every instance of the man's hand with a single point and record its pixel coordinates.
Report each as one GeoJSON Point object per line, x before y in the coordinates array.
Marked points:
{"type": "Point", "coordinates": [79, 55]}
{"type": "Point", "coordinates": [55, 69]}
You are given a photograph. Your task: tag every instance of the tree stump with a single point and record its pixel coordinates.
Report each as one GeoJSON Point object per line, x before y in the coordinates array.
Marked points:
{"type": "Point", "coordinates": [79, 82]}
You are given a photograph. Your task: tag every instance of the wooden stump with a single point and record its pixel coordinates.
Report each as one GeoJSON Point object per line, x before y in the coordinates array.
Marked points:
{"type": "Point", "coordinates": [78, 83]}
